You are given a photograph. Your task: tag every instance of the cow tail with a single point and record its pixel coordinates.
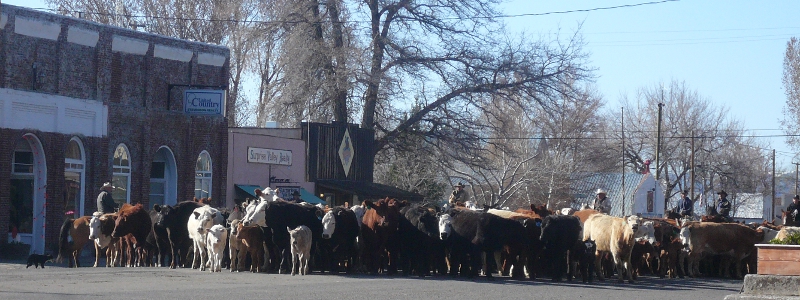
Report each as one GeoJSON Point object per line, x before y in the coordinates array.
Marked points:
{"type": "Point", "coordinates": [63, 240]}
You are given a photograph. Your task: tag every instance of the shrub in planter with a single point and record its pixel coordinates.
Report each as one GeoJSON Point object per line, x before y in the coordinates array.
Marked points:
{"type": "Point", "coordinates": [793, 239]}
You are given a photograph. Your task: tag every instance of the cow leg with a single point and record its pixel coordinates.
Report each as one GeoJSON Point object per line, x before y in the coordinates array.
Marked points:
{"type": "Point", "coordinates": [240, 257]}
{"type": "Point", "coordinates": [598, 266]}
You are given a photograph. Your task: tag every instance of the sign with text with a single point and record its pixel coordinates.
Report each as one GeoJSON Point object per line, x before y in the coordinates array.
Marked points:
{"type": "Point", "coordinates": [204, 102]}
{"type": "Point", "coordinates": [269, 156]}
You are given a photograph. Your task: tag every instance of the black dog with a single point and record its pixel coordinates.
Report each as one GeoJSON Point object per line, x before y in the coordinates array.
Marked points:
{"type": "Point", "coordinates": [38, 259]}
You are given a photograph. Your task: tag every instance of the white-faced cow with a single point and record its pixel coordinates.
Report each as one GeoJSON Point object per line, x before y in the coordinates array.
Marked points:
{"type": "Point", "coordinates": [100, 228]}
{"type": "Point", "coordinates": [200, 221]}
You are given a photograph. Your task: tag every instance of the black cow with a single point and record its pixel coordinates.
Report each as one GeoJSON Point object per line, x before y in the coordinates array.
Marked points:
{"type": "Point", "coordinates": [158, 240]}
{"type": "Point", "coordinates": [174, 219]}
{"type": "Point", "coordinates": [339, 246]}
{"type": "Point", "coordinates": [582, 257]}
{"type": "Point", "coordinates": [419, 239]}
{"type": "Point", "coordinates": [479, 232]}
{"type": "Point", "coordinates": [281, 214]}
{"type": "Point", "coordinates": [559, 234]}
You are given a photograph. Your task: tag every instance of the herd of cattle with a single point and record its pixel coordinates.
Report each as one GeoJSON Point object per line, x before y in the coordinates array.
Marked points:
{"type": "Point", "coordinates": [391, 236]}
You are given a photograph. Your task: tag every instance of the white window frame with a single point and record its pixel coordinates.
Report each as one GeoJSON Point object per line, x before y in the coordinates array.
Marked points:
{"type": "Point", "coordinates": [204, 179]}
{"type": "Point", "coordinates": [69, 164]}
{"type": "Point", "coordinates": [123, 168]}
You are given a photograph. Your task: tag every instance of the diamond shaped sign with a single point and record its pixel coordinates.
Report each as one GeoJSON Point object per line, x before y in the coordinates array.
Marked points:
{"type": "Point", "coordinates": [346, 152]}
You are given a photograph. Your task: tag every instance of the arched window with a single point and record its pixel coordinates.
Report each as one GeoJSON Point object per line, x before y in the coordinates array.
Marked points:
{"type": "Point", "coordinates": [74, 162]}
{"type": "Point", "coordinates": [202, 177]}
{"type": "Point", "coordinates": [122, 175]}
{"type": "Point", "coordinates": [22, 188]}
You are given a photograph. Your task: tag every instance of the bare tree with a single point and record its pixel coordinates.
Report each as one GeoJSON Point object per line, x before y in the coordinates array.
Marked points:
{"type": "Point", "coordinates": [725, 158]}
{"type": "Point", "coordinates": [791, 84]}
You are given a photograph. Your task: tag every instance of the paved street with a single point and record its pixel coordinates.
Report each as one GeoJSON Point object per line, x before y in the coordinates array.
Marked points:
{"type": "Point", "coordinates": [57, 282]}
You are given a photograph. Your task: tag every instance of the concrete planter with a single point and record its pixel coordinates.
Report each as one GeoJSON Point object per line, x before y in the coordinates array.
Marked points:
{"type": "Point", "coordinates": [778, 259]}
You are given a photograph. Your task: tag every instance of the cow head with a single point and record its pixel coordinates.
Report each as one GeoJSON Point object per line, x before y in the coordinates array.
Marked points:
{"type": "Point", "coordinates": [328, 225]}
{"type": "Point", "coordinates": [590, 247]}
{"type": "Point", "coordinates": [204, 218]}
{"type": "Point", "coordinates": [646, 231]}
{"type": "Point", "coordinates": [164, 211]}
{"type": "Point", "coordinates": [94, 226]}
{"type": "Point", "coordinates": [234, 231]}
{"type": "Point", "coordinates": [255, 214]}
{"type": "Point", "coordinates": [445, 226]}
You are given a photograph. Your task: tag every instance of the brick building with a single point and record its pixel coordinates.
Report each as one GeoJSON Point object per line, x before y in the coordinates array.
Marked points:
{"type": "Point", "coordinates": [83, 103]}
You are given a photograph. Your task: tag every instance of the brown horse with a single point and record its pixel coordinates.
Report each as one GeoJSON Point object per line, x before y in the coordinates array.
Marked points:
{"type": "Point", "coordinates": [78, 230]}
{"type": "Point", "coordinates": [713, 219]}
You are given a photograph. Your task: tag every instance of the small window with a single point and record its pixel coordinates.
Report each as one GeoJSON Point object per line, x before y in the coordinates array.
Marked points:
{"type": "Point", "coordinates": [122, 175]}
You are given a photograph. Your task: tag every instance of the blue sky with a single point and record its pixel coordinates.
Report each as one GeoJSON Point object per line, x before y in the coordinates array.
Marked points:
{"type": "Point", "coordinates": [731, 52]}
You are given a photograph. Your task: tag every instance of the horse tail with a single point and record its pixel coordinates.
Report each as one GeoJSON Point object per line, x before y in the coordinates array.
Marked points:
{"type": "Point", "coordinates": [63, 240]}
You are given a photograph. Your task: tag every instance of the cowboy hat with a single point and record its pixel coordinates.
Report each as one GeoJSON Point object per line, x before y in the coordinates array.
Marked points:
{"type": "Point", "coordinates": [796, 197]}
{"type": "Point", "coordinates": [107, 185]}
{"type": "Point", "coordinates": [600, 191]}
{"type": "Point", "coordinates": [722, 192]}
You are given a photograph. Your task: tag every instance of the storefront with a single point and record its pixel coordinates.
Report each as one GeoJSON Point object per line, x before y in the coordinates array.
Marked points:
{"type": "Point", "coordinates": [90, 104]}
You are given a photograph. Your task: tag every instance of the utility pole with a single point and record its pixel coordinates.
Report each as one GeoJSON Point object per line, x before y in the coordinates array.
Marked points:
{"type": "Point", "coordinates": [623, 161]}
{"type": "Point", "coordinates": [658, 151]}
{"type": "Point", "coordinates": [795, 173]}
{"type": "Point", "coordinates": [692, 182]}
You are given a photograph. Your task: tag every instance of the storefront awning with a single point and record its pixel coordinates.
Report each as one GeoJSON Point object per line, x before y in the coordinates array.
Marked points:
{"type": "Point", "coordinates": [310, 198]}
{"type": "Point", "coordinates": [369, 190]}
{"type": "Point", "coordinates": [248, 189]}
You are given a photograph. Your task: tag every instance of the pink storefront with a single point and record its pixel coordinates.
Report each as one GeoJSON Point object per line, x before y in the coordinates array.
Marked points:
{"type": "Point", "coordinates": [266, 157]}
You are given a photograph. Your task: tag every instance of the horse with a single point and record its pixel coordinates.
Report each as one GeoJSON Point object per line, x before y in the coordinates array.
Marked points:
{"type": "Point", "coordinates": [78, 230]}
{"type": "Point", "coordinates": [714, 219]}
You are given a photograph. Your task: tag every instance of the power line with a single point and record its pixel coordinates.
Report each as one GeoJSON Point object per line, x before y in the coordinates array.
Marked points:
{"type": "Point", "coordinates": [353, 21]}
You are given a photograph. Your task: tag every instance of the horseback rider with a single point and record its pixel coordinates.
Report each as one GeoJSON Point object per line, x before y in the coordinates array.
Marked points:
{"type": "Point", "coordinates": [686, 207]}
{"type": "Point", "coordinates": [458, 195]}
{"type": "Point", "coordinates": [723, 206]}
{"type": "Point", "coordinates": [601, 202]}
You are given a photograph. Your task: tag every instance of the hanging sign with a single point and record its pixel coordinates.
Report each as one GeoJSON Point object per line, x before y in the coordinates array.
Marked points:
{"type": "Point", "coordinates": [204, 102]}
{"type": "Point", "coordinates": [346, 152]}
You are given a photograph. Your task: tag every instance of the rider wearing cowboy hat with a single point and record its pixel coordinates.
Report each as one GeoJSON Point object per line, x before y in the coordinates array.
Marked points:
{"type": "Point", "coordinates": [601, 202]}
{"type": "Point", "coordinates": [458, 195]}
{"type": "Point", "coordinates": [723, 206]}
{"type": "Point", "coordinates": [105, 203]}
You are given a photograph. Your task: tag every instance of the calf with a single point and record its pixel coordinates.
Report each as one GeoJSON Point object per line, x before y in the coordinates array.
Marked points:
{"type": "Point", "coordinates": [251, 241]}
{"type": "Point", "coordinates": [133, 222]}
{"type": "Point", "coordinates": [215, 241]}
{"type": "Point", "coordinates": [234, 243]}
{"type": "Point", "coordinates": [582, 257]}
{"type": "Point", "coordinates": [301, 248]}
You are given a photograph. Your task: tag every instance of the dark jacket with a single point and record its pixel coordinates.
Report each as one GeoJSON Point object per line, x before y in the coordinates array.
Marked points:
{"type": "Point", "coordinates": [794, 211]}
{"type": "Point", "coordinates": [105, 204]}
{"type": "Point", "coordinates": [686, 207]}
{"type": "Point", "coordinates": [724, 207]}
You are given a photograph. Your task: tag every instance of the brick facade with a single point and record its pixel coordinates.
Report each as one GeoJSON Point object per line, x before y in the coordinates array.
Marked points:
{"type": "Point", "coordinates": [142, 93]}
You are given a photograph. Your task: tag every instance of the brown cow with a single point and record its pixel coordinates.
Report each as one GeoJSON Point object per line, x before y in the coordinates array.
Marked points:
{"type": "Point", "coordinates": [133, 220]}
{"type": "Point", "coordinates": [101, 226]}
{"type": "Point", "coordinates": [250, 240]}
{"type": "Point", "coordinates": [379, 231]}
{"type": "Point", "coordinates": [78, 230]}
{"type": "Point", "coordinates": [719, 238]}
{"type": "Point", "coordinates": [584, 214]}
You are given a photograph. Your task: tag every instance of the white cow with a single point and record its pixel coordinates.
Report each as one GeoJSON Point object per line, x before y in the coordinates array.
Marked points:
{"type": "Point", "coordinates": [215, 241]}
{"type": "Point", "coordinates": [201, 219]}
{"type": "Point", "coordinates": [256, 214]}
{"type": "Point", "coordinates": [102, 241]}
{"type": "Point", "coordinates": [301, 248]}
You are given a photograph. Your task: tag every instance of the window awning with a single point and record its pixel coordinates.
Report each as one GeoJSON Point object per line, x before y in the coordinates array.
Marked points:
{"type": "Point", "coordinates": [371, 190]}
{"type": "Point", "coordinates": [250, 190]}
